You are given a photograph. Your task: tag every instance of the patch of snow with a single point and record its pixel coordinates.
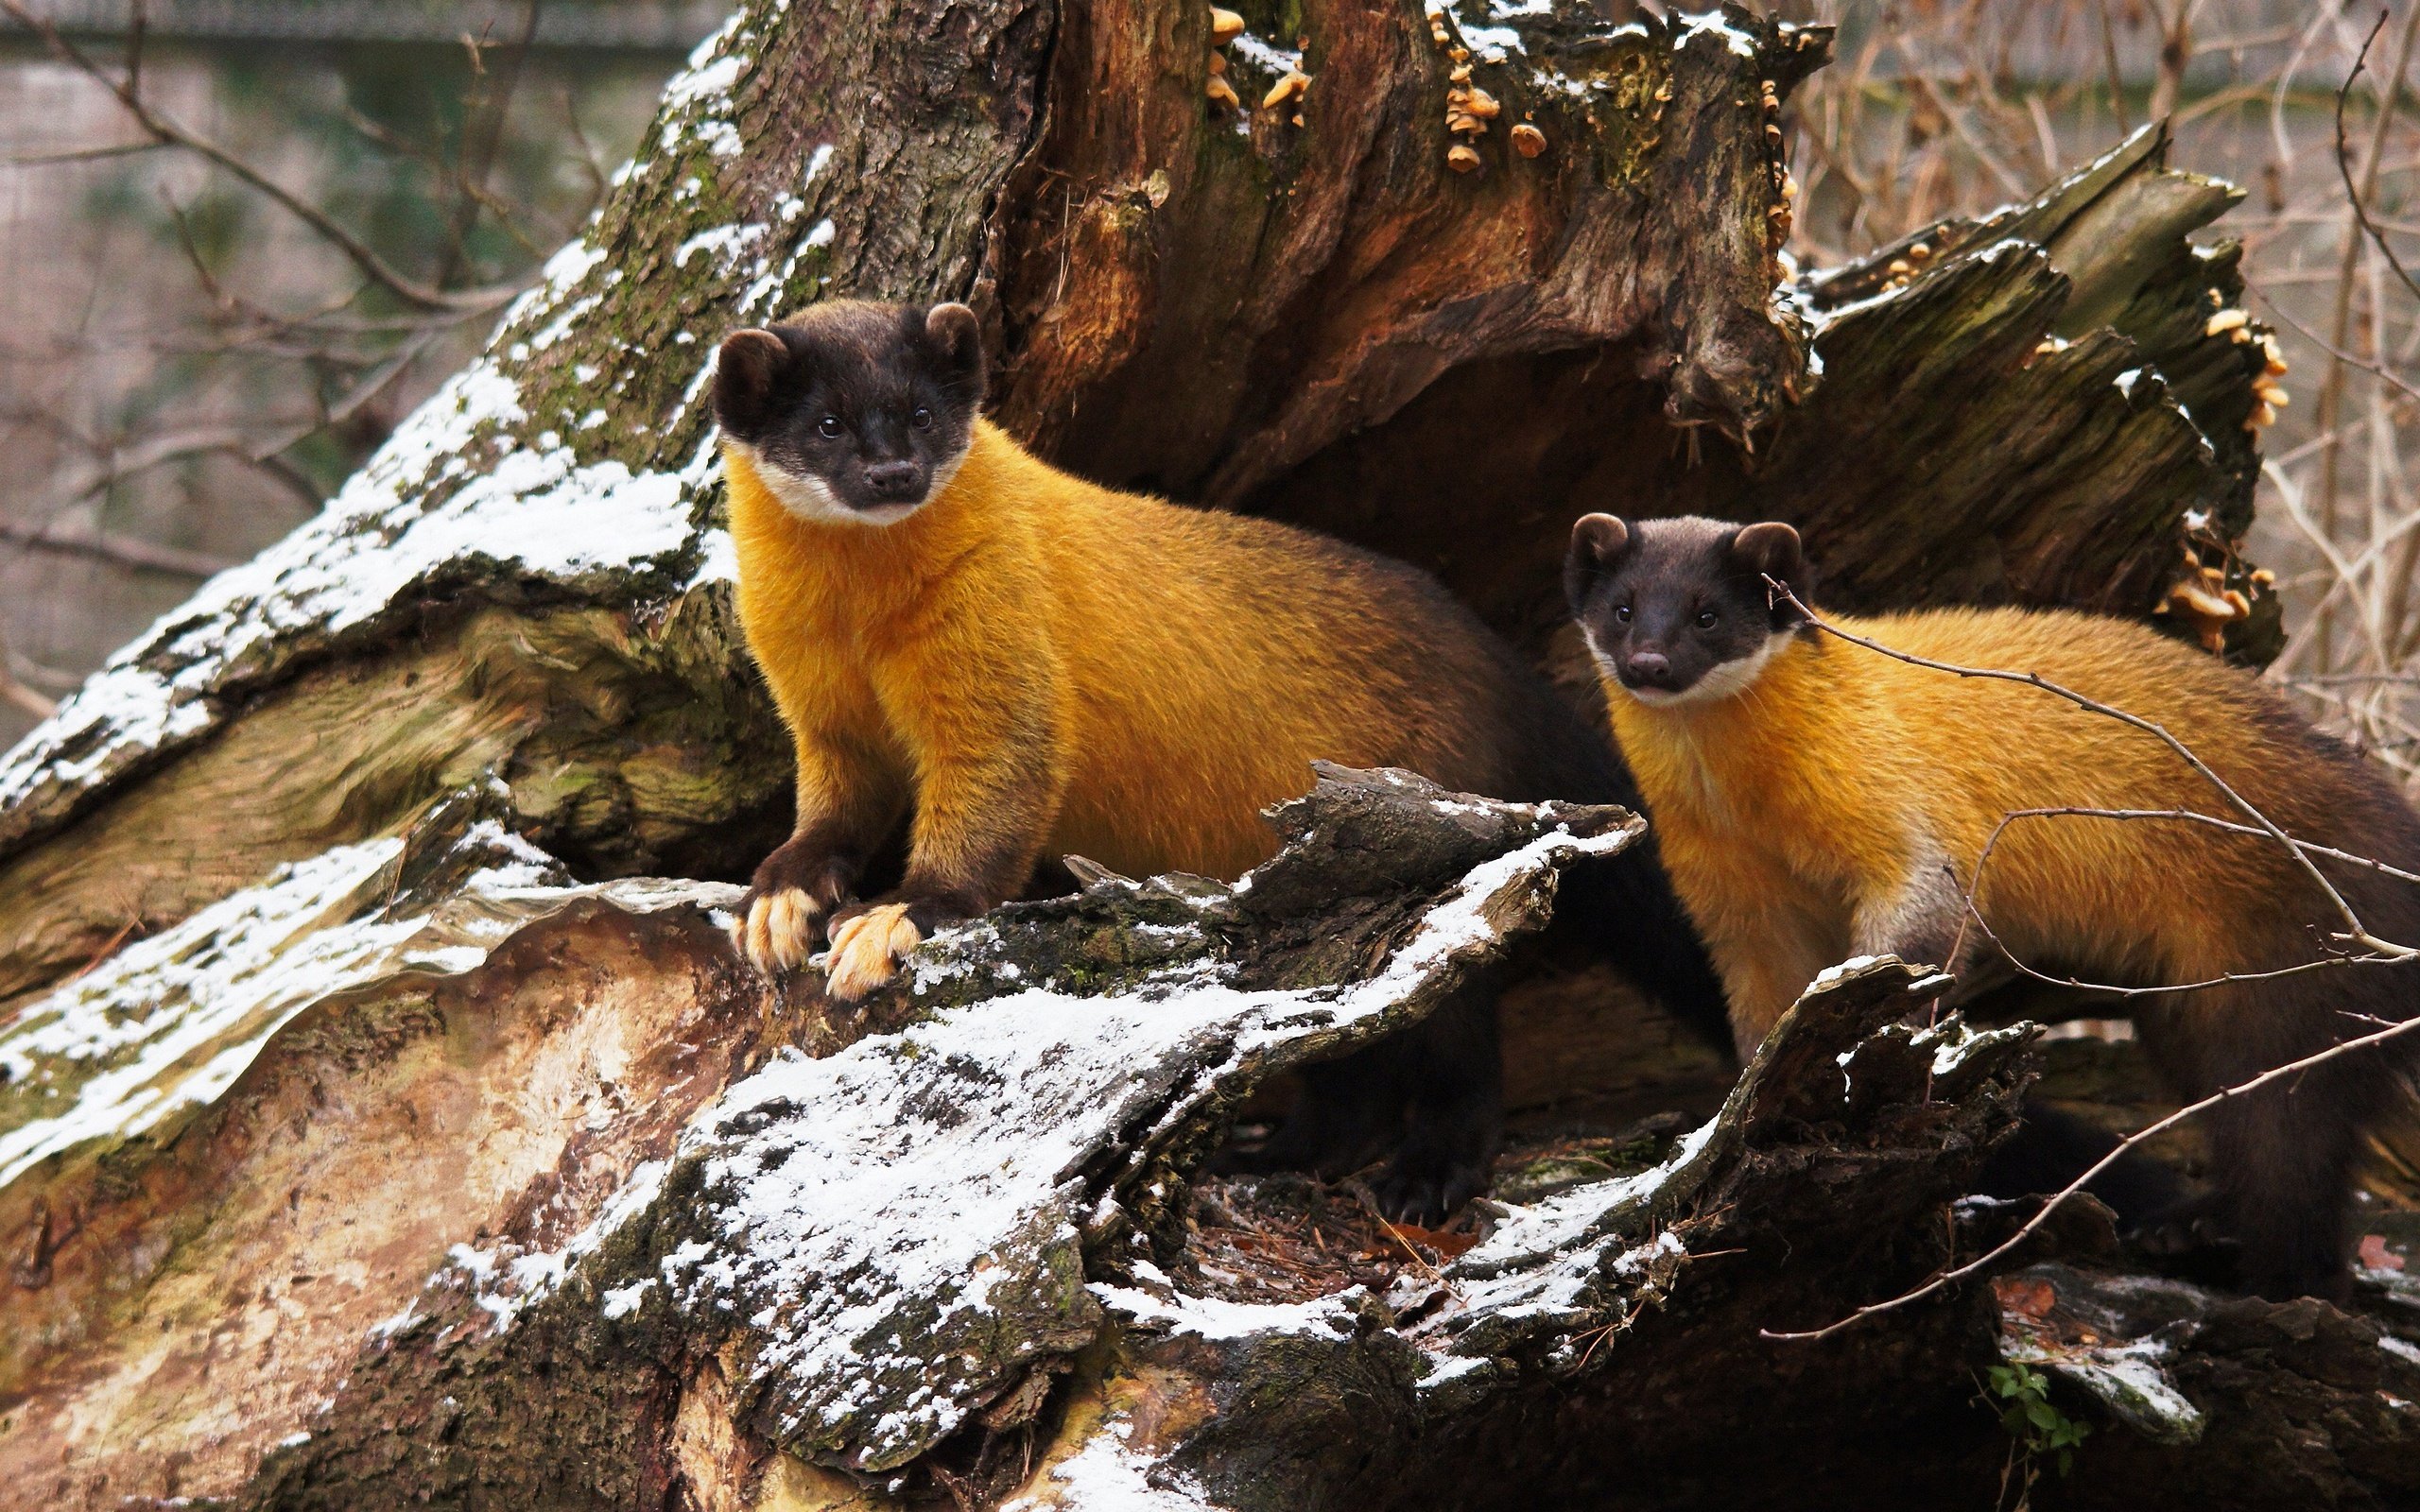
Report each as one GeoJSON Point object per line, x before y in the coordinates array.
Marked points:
{"type": "Point", "coordinates": [536, 510]}
{"type": "Point", "coordinates": [387, 1328]}
{"type": "Point", "coordinates": [531, 1274]}
{"type": "Point", "coordinates": [722, 242]}
{"type": "Point", "coordinates": [1448, 1367]}
{"type": "Point", "coordinates": [1711, 24]}
{"type": "Point", "coordinates": [867, 1221]}
{"type": "Point", "coordinates": [2125, 1378]}
{"type": "Point", "coordinates": [1267, 56]}
{"type": "Point", "coordinates": [1849, 967]}
{"type": "Point", "coordinates": [718, 560]}
{"type": "Point", "coordinates": [1106, 1476]}
{"type": "Point", "coordinates": [706, 83]}
{"type": "Point", "coordinates": [2400, 1349]}
{"type": "Point", "coordinates": [621, 1301]}
{"type": "Point", "coordinates": [171, 1021]}
{"type": "Point", "coordinates": [1212, 1317]}
{"type": "Point", "coordinates": [572, 262]}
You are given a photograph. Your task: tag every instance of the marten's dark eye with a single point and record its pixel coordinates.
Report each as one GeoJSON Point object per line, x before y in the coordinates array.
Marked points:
{"type": "Point", "coordinates": [1622, 612]}
{"type": "Point", "coordinates": [1705, 619]}
{"type": "Point", "coordinates": [828, 427]}
{"type": "Point", "coordinates": [922, 419]}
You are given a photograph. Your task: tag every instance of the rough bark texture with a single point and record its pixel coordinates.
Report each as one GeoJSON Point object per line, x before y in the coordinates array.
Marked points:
{"type": "Point", "coordinates": [364, 1144]}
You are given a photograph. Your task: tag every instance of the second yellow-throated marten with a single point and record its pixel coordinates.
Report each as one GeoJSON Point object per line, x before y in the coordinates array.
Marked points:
{"type": "Point", "coordinates": [1817, 800]}
{"type": "Point", "coordinates": [1035, 665]}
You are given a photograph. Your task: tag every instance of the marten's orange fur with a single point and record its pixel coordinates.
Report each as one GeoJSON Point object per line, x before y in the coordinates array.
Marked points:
{"type": "Point", "coordinates": [1817, 800]}
{"type": "Point", "coordinates": [1090, 672]}
{"type": "Point", "coordinates": [1809, 817]}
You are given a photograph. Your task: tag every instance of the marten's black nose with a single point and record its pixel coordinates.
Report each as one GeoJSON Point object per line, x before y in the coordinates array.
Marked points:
{"type": "Point", "coordinates": [1653, 668]}
{"type": "Point", "coordinates": [894, 480]}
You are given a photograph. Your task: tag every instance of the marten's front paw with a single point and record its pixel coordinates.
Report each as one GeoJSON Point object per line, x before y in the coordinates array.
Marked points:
{"type": "Point", "coordinates": [866, 948]}
{"type": "Point", "coordinates": [776, 933]}
{"type": "Point", "coordinates": [789, 898]}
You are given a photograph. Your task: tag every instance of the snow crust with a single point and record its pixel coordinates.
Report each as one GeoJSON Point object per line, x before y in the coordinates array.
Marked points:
{"type": "Point", "coordinates": [1712, 24]}
{"type": "Point", "coordinates": [1107, 1476]}
{"type": "Point", "coordinates": [1213, 1318]}
{"type": "Point", "coordinates": [1546, 1261]}
{"type": "Point", "coordinates": [898, 1226]}
{"type": "Point", "coordinates": [170, 1023]}
{"type": "Point", "coordinates": [2128, 1379]}
{"type": "Point", "coordinates": [456, 492]}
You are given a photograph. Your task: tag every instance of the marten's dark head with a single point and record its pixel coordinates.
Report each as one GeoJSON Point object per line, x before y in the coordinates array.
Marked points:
{"type": "Point", "coordinates": [1677, 610]}
{"type": "Point", "coordinates": [858, 412]}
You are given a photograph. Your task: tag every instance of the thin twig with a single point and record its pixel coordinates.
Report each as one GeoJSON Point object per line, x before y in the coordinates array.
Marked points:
{"type": "Point", "coordinates": [2333, 351]}
{"type": "Point", "coordinates": [120, 551]}
{"type": "Point", "coordinates": [11, 691]}
{"type": "Point", "coordinates": [2383, 951]}
{"type": "Point", "coordinates": [2377, 141]}
{"type": "Point", "coordinates": [2354, 931]}
{"type": "Point", "coordinates": [2196, 817]}
{"type": "Point", "coordinates": [2034, 1225]}
{"type": "Point", "coordinates": [168, 132]}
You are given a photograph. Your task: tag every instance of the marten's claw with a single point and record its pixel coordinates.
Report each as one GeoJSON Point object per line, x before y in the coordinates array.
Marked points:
{"type": "Point", "coordinates": [777, 931]}
{"type": "Point", "coordinates": [865, 950]}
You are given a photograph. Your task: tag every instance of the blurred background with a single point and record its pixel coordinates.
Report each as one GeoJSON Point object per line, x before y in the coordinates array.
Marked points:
{"type": "Point", "coordinates": [228, 270]}
{"type": "Point", "coordinates": [188, 365]}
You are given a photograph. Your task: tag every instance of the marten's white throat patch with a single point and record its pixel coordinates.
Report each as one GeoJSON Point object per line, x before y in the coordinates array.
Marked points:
{"type": "Point", "coordinates": [808, 497]}
{"type": "Point", "coordinates": [1721, 680]}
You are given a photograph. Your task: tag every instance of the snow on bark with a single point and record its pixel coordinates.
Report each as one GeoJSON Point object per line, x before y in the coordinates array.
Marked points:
{"type": "Point", "coordinates": [522, 476]}
{"type": "Point", "coordinates": [168, 1023]}
{"type": "Point", "coordinates": [902, 1226]}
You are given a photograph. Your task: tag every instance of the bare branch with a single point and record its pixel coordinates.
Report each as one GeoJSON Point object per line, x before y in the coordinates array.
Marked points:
{"type": "Point", "coordinates": [40, 160]}
{"type": "Point", "coordinates": [167, 132]}
{"type": "Point", "coordinates": [120, 551]}
{"type": "Point", "coordinates": [2355, 931]}
{"type": "Point", "coordinates": [16, 693]}
{"type": "Point", "coordinates": [2033, 1226]}
{"type": "Point", "coordinates": [2333, 351]}
{"type": "Point", "coordinates": [2357, 195]}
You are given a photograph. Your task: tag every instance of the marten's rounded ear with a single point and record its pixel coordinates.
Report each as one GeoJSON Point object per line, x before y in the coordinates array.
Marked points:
{"type": "Point", "coordinates": [745, 371]}
{"type": "Point", "coordinates": [1598, 542]}
{"type": "Point", "coordinates": [957, 339]}
{"type": "Point", "coordinates": [1773, 550]}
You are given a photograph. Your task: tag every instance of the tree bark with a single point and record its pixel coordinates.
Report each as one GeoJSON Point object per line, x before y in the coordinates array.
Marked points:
{"type": "Point", "coordinates": [382, 1127]}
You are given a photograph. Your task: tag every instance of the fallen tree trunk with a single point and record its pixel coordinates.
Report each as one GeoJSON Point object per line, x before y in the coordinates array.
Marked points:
{"type": "Point", "coordinates": [380, 1128]}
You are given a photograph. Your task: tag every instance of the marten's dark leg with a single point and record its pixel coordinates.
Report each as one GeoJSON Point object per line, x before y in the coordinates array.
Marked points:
{"type": "Point", "coordinates": [2283, 1158]}
{"type": "Point", "coordinates": [848, 802]}
{"type": "Point", "coordinates": [1453, 1077]}
{"type": "Point", "coordinates": [2283, 1155]}
{"type": "Point", "coordinates": [1349, 1114]}
{"type": "Point", "coordinates": [990, 785]}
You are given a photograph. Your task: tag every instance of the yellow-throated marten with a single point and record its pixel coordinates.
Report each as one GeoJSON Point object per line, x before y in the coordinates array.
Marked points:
{"type": "Point", "coordinates": [1034, 665]}
{"type": "Point", "coordinates": [1816, 799]}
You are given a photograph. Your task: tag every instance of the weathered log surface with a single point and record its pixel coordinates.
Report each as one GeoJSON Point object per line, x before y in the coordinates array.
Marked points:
{"type": "Point", "coordinates": [529, 1197]}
